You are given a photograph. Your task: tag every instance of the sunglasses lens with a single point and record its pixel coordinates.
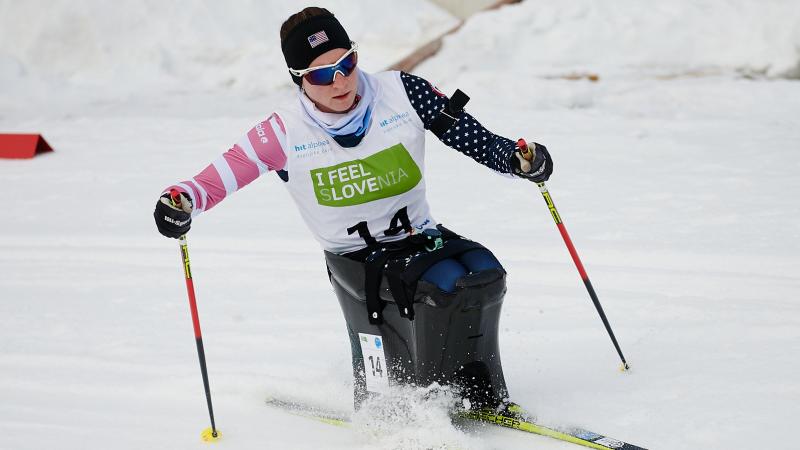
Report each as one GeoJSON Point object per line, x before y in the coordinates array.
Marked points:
{"type": "Point", "coordinates": [349, 63]}
{"type": "Point", "coordinates": [322, 77]}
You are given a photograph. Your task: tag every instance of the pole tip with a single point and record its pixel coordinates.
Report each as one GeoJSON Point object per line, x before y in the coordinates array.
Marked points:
{"type": "Point", "coordinates": [624, 367]}
{"type": "Point", "coordinates": [210, 435]}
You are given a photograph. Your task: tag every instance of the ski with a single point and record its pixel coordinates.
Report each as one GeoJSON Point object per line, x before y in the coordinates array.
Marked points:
{"type": "Point", "coordinates": [513, 417]}
{"type": "Point", "coordinates": [320, 414]}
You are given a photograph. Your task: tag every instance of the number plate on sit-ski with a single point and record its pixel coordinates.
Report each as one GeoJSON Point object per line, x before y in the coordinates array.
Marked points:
{"type": "Point", "coordinates": [374, 362]}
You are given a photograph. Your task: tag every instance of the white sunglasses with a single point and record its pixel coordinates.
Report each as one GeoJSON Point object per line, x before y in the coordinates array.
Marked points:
{"type": "Point", "coordinates": [324, 75]}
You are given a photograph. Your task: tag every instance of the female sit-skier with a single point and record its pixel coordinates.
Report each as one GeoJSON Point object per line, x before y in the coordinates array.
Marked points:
{"type": "Point", "coordinates": [421, 303]}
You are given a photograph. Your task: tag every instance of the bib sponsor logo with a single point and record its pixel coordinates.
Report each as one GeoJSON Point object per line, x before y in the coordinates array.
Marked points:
{"type": "Point", "coordinates": [395, 121]}
{"type": "Point", "coordinates": [422, 226]}
{"type": "Point", "coordinates": [395, 118]}
{"type": "Point", "coordinates": [385, 174]}
{"type": "Point", "coordinates": [311, 145]}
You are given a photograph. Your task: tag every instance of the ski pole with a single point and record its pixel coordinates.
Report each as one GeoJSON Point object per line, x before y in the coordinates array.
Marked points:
{"type": "Point", "coordinates": [209, 434]}
{"type": "Point", "coordinates": [575, 258]}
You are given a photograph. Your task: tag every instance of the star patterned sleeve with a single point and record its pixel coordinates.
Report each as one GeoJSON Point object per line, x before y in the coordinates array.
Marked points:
{"type": "Point", "coordinates": [466, 135]}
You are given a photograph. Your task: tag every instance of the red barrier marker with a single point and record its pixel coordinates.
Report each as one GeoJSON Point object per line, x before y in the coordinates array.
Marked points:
{"type": "Point", "coordinates": [22, 146]}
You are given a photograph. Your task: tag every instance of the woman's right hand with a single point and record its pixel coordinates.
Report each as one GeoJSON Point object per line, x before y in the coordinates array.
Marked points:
{"type": "Point", "coordinates": [173, 214]}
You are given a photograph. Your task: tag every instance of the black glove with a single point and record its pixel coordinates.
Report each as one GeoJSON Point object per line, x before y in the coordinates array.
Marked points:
{"type": "Point", "coordinates": [532, 162]}
{"type": "Point", "coordinates": [173, 219]}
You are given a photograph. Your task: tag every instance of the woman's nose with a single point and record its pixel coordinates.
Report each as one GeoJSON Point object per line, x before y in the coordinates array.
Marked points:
{"type": "Point", "coordinates": [339, 77]}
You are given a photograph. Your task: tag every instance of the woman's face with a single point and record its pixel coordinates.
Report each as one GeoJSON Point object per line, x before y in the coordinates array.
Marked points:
{"type": "Point", "coordinates": [338, 96]}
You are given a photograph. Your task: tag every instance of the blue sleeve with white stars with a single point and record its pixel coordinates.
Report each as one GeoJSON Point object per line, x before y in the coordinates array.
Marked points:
{"type": "Point", "coordinates": [466, 135]}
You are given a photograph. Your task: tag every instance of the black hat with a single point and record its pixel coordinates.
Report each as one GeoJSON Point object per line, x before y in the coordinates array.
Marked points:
{"type": "Point", "coordinates": [311, 38]}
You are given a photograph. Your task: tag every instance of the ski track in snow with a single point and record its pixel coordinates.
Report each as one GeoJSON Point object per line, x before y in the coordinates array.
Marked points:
{"type": "Point", "coordinates": [680, 196]}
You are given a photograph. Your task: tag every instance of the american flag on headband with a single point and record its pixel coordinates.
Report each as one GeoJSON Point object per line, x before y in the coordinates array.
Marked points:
{"type": "Point", "coordinates": [318, 38]}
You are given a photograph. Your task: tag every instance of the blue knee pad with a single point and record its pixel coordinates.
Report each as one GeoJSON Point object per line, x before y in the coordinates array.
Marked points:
{"type": "Point", "coordinates": [479, 260]}
{"type": "Point", "coordinates": [445, 273]}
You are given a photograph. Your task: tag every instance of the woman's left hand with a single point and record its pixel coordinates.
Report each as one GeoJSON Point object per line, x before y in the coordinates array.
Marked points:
{"type": "Point", "coordinates": [532, 162]}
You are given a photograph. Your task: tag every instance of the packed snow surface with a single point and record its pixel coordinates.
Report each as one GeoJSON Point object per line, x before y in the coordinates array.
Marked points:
{"type": "Point", "coordinates": [675, 174]}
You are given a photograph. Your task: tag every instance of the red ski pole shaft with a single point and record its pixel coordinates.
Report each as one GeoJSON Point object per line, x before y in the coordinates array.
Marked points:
{"type": "Point", "coordinates": [581, 270]}
{"type": "Point", "coordinates": [529, 157]}
{"type": "Point", "coordinates": [198, 335]}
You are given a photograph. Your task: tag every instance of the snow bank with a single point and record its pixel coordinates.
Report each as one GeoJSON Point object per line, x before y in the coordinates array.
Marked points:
{"type": "Point", "coordinates": [152, 47]}
{"type": "Point", "coordinates": [553, 37]}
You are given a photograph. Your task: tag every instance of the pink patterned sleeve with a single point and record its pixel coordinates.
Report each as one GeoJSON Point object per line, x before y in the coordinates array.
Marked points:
{"type": "Point", "coordinates": [257, 152]}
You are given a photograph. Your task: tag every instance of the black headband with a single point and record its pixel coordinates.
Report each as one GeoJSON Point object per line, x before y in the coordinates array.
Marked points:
{"type": "Point", "coordinates": [311, 38]}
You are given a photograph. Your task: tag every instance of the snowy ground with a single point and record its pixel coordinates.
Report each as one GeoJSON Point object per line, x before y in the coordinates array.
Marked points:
{"type": "Point", "coordinates": [679, 191]}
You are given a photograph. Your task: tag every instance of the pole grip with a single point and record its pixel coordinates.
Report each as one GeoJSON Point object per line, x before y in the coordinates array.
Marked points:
{"type": "Point", "coordinates": [524, 150]}
{"type": "Point", "coordinates": [187, 270]}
